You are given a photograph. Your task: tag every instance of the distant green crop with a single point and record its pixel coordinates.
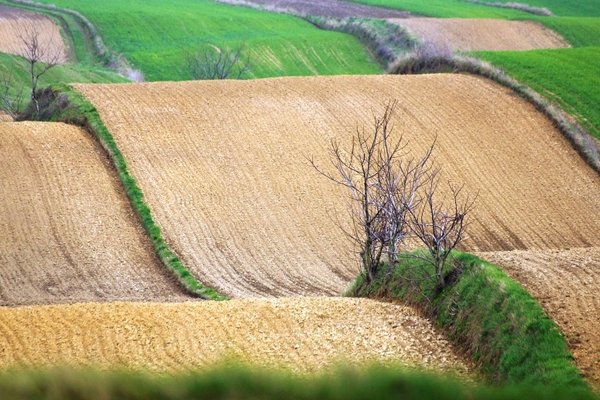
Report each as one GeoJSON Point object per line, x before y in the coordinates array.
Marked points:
{"type": "Point", "coordinates": [156, 37]}
{"type": "Point", "coordinates": [571, 77]}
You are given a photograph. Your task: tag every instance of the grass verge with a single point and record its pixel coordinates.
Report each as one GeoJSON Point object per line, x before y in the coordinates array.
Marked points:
{"type": "Point", "coordinates": [432, 61]}
{"type": "Point", "coordinates": [248, 382]}
{"type": "Point", "coordinates": [64, 104]}
{"type": "Point", "coordinates": [487, 314]}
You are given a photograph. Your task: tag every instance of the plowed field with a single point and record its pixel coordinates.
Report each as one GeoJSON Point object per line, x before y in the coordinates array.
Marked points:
{"type": "Point", "coordinates": [300, 334]}
{"type": "Point", "coordinates": [482, 34]}
{"type": "Point", "coordinates": [16, 23]}
{"type": "Point", "coordinates": [68, 231]}
{"type": "Point", "coordinates": [223, 166]}
{"type": "Point", "coordinates": [567, 283]}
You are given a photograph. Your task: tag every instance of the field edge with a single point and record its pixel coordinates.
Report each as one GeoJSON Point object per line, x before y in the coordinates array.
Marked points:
{"type": "Point", "coordinates": [62, 103]}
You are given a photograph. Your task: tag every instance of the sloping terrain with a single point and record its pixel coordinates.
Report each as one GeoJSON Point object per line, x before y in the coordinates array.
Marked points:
{"type": "Point", "coordinates": [459, 34]}
{"type": "Point", "coordinates": [18, 24]}
{"type": "Point", "coordinates": [68, 231]}
{"type": "Point", "coordinates": [301, 334]}
{"type": "Point", "coordinates": [224, 167]}
{"type": "Point", "coordinates": [567, 283]}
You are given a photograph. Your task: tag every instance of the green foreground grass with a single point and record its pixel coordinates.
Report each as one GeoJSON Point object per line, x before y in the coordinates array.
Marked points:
{"type": "Point", "coordinates": [63, 104]}
{"type": "Point", "coordinates": [157, 37]}
{"type": "Point", "coordinates": [487, 314]}
{"type": "Point", "coordinates": [569, 77]}
{"type": "Point", "coordinates": [249, 382]}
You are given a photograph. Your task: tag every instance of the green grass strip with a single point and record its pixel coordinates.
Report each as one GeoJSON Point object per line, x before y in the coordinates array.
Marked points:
{"type": "Point", "coordinates": [64, 104]}
{"type": "Point", "coordinates": [235, 382]}
{"type": "Point", "coordinates": [488, 315]}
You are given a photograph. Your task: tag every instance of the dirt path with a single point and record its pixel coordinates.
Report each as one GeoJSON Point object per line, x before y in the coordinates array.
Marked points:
{"type": "Point", "coordinates": [16, 23]}
{"type": "Point", "coordinates": [223, 166]}
{"type": "Point", "coordinates": [567, 283]}
{"type": "Point", "coordinates": [325, 8]}
{"type": "Point", "coordinates": [458, 34]}
{"type": "Point", "coordinates": [302, 334]}
{"type": "Point", "coordinates": [68, 231]}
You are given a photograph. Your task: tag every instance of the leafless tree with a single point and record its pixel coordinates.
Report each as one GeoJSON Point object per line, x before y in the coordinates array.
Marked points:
{"type": "Point", "coordinates": [383, 181]}
{"type": "Point", "coordinates": [216, 63]}
{"type": "Point", "coordinates": [41, 57]}
{"type": "Point", "coordinates": [440, 225]}
{"type": "Point", "coordinates": [10, 103]}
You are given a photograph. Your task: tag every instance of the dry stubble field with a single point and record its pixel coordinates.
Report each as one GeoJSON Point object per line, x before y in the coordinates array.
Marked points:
{"type": "Point", "coordinates": [68, 231]}
{"type": "Point", "coordinates": [16, 23]}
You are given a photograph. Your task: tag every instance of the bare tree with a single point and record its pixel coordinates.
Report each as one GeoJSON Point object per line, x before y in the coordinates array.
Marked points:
{"type": "Point", "coordinates": [394, 196]}
{"type": "Point", "coordinates": [216, 63]}
{"type": "Point", "coordinates": [383, 181]}
{"type": "Point", "coordinates": [10, 103]}
{"type": "Point", "coordinates": [41, 57]}
{"type": "Point", "coordinates": [441, 225]}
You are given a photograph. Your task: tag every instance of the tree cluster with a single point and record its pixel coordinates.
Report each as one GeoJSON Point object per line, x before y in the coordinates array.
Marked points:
{"type": "Point", "coordinates": [394, 196]}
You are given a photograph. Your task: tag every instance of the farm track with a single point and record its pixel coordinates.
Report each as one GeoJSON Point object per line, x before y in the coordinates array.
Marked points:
{"type": "Point", "coordinates": [14, 22]}
{"type": "Point", "coordinates": [223, 166]}
{"type": "Point", "coordinates": [463, 34]}
{"type": "Point", "coordinates": [301, 334]}
{"type": "Point", "coordinates": [68, 231]}
{"type": "Point", "coordinates": [325, 8]}
{"type": "Point", "coordinates": [567, 283]}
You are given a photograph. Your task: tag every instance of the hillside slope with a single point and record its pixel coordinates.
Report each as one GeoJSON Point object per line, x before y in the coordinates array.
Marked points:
{"type": "Point", "coordinates": [68, 231]}
{"type": "Point", "coordinates": [224, 167]}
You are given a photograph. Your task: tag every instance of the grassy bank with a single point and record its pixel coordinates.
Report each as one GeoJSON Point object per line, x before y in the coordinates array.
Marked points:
{"type": "Point", "coordinates": [247, 382]}
{"type": "Point", "coordinates": [487, 314]}
{"type": "Point", "coordinates": [64, 104]}
{"type": "Point", "coordinates": [157, 37]}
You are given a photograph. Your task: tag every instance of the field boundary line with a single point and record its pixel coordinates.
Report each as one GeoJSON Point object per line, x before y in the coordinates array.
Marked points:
{"type": "Point", "coordinates": [428, 61]}
{"type": "Point", "coordinates": [63, 103]}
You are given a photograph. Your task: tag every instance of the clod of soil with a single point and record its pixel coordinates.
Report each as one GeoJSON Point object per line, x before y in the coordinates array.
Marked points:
{"type": "Point", "coordinates": [15, 24]}
{"type": "Point", "coordinates": [567, 283]}
{"type": "Point", "coordinates": [461, 34]}
{"type": "Point", "coordinates": [224, 167]}
{"type": "Point", "coordinates": [302, 334]}
{"type": "Point", "coordinates": [68, 231]}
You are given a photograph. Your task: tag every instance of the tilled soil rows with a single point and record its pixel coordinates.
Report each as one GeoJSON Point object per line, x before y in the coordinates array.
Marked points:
{"type": "Point", "coordinates": [567, 283]}
{"type": "Point", "coordinates": [68, 231]}
{"type": "Point", "coordinates": [15, 24]}
{"type": "Point", "coordinates": [302, 334]}
{"type": "Point", "coordinates": [224, 167]}
{"type": "Point", "coordinates": [462, 34]}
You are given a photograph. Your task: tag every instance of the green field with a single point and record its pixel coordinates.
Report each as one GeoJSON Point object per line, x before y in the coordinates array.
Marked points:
{"type": "Point", "coordinates": [157, 38]}
{"type": "Point", "coordinates": [571, 77]}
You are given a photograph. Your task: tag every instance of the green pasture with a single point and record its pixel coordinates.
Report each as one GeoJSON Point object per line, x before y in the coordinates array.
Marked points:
{"type": "Point", "coordinates": [157, 36]}
{"type": "Point", "coordinates": [570, 77]}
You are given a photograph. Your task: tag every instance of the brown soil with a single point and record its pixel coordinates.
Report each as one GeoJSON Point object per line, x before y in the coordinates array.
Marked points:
{"type": "Point", "coordinates": [14, 22]}
{"type": "Point", "coordinates": [223, 166]}
{"type": "Point", "coordinates": [459, 34]}
{"type": "Point", "coordinates": [324, 8]}
{"type": "Point", "coordinates": [302, 334]}
{"type": "Point", "coordinates": [567, 283]}
{"type": "Point", "coordinates": [68, 231]}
